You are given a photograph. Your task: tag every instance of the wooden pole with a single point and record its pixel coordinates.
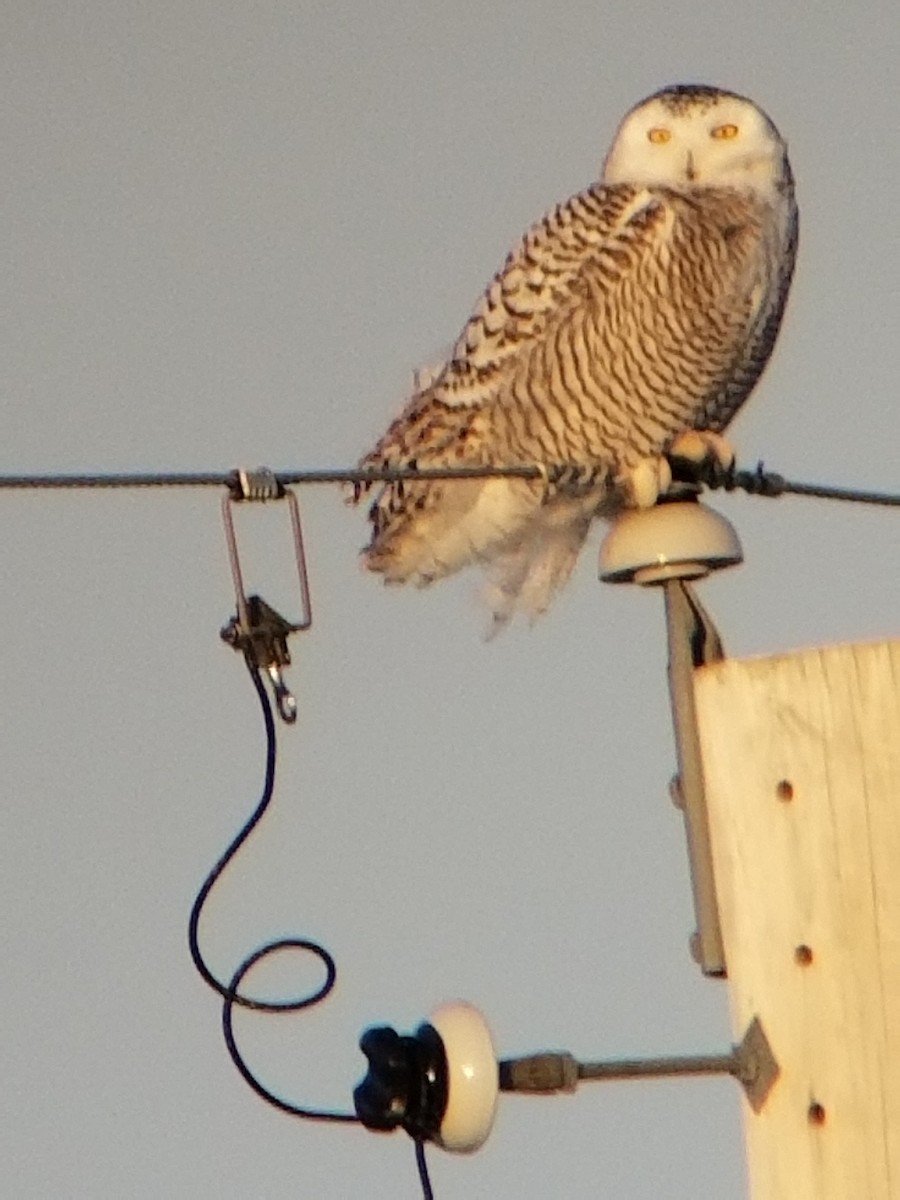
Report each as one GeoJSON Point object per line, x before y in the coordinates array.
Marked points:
{"type": "Point", "coordinates": [801, 758]}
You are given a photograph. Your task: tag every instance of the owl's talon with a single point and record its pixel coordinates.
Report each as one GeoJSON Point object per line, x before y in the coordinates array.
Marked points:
{"type": "Point", "coordinates": [701, 456]}
{"type": "Point", "coordinates": [643, 484]}
{"type": "Point", "coordinates": [546, 480]}
{"type": "Point", "coordinates": [576, 478]}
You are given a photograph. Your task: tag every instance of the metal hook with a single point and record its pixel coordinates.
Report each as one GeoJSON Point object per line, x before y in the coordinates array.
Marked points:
{"type": "Point", "coordinates": [257, 630]}
{"type": "Point", "coordinates": [284, 699]}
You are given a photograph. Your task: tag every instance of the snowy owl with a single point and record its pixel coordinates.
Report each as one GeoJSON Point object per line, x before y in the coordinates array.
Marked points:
{"type": "Point", "coordinates": [629, 323]}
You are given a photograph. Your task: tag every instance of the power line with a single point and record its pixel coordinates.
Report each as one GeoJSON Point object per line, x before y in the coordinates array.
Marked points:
{"type": "Point", "coordinates": [758, 482]}
{"type": "Point", "coordinates": [230, 479]}
{"type": "Point", "coordinates": [768, 483]}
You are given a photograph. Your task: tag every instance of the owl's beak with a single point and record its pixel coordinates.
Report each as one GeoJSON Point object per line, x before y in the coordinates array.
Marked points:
{"type": "Point", "coordinates": [689, 169]}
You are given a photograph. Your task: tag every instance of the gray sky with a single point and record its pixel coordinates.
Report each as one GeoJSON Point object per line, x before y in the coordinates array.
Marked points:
{"type": "Point", "coordinates": [231, 232]}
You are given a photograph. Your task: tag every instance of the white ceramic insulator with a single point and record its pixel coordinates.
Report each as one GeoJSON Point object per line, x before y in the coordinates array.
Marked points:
{"type": "Point", "coordinates": [681, 540]}
{"type": "Point", "coordinates": [473, 1076]}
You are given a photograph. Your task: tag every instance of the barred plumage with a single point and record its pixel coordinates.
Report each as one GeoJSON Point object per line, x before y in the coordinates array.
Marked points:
{"type": "Point", "coordinates": [641, 308]}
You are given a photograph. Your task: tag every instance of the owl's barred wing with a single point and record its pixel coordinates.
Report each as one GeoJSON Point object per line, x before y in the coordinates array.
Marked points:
{"type": "Point", "coordinates": [623, 317]}
{"type": "Point", "coordinates": [665, 327]}
{"type": "Point", "coordinates": [424, 530]}
{"type": "Point", "coordinates": [538, 280]}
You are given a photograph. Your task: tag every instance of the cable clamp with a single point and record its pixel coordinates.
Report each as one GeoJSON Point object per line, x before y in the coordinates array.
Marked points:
{"type": "Point", "coordinates": [257, 630]}
{"type": "Point", "coordinates": [261, 483]}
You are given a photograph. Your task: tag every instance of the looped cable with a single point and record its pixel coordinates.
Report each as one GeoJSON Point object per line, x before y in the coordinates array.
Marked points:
{"type": "Point", "coordinates": [230, 992]}
{"type": "Point", "coordinates": [232, 997]}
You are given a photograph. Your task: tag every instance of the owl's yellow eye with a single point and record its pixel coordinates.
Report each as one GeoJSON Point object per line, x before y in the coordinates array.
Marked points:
{"type": "Point", "coordinates": [725, 132]}
{"type": "Point", "coordinates": [659, 136]}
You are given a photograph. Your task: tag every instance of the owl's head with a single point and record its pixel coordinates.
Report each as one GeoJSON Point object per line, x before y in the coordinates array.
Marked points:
{"type": "Point", "coordinates": [696, 136]}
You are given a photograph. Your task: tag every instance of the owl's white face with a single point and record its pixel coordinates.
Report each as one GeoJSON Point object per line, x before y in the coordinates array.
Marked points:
{"type": "Point", "coordinates": [696, 136]}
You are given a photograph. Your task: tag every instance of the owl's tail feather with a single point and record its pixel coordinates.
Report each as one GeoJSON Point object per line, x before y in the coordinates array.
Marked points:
{"type": "Point", "coordinates": [528, 577]}
{"type": "Point", "coordinates": [527, 547]}
{"type": "Point", "coordinates": [470, 522]}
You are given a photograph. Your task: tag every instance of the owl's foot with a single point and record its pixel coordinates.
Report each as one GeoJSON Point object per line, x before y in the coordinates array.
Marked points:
{"type": "Point", "coordinates": [643, 484]}
{"type": "Point", "coordinates": [575, 479]}
{"type": "Point", "coordinates": [700, 456]}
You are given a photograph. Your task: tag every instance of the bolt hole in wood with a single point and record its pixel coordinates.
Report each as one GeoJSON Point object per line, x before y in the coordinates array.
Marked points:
{"type": "Point", "coordinates": [784, 790]}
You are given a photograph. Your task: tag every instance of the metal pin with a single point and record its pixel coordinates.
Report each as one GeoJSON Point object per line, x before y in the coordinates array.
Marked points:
{"type": "Point", "coordinates": [752, 1063]}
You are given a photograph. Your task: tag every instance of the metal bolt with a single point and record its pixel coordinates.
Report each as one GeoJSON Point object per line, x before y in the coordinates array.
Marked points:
{"type": "Point", "coordinates": [696, 947]}
{"type": "Point", "coordinates": [676, 795]}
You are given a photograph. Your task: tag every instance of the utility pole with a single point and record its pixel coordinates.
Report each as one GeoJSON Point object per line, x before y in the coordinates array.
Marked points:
{"type": "Point", "coordinates": [789, 779]}
{"type": "Point", "coordinates": [801, 758]}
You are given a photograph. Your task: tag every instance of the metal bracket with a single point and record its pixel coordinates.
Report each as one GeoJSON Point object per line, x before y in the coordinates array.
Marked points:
{"type": "Point", "coordinates": [257, 630]}
{"type": "Point", "coordinates": [751, 1063]}
{"type": "Point", "coordinates": [665, 546]}
{"type": "Point", "coordinates": [756, 1068]}
{"type": "Point", "coordinates": [693, 642]}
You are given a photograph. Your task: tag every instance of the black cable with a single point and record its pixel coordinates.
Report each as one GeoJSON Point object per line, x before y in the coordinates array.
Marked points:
{"type": "Point", "coordinates": [757, 483]}
{"type": "Point", "coordinates": [760, 482]}
{"type": "Point", "coordinates": [225, 990]}
{"type": "Point", "coordinates": [229, 479]}
{"type": "Point", "coordinates": [231, 993]}
{"type": "Point", "coordinates": [826, 492]}
{"type": "Point", "coordinates": [232, 997]}
{"type": "Point", "coordinates": [422, 1165]}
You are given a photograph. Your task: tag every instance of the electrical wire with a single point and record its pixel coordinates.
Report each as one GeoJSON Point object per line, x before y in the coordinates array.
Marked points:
{"type": "Point", "coordinates": [422, 1166]}
{"type": "Point", "coordinates": [148, 479]}
{"type": "Point", "coordinates": [228, 991]}
{"type": "Point", "coordinates": [758, 482]}
{"type": "Point", "coordinates": [232, 997]}
{"type": "Point", "coordinates": [231, 993]}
